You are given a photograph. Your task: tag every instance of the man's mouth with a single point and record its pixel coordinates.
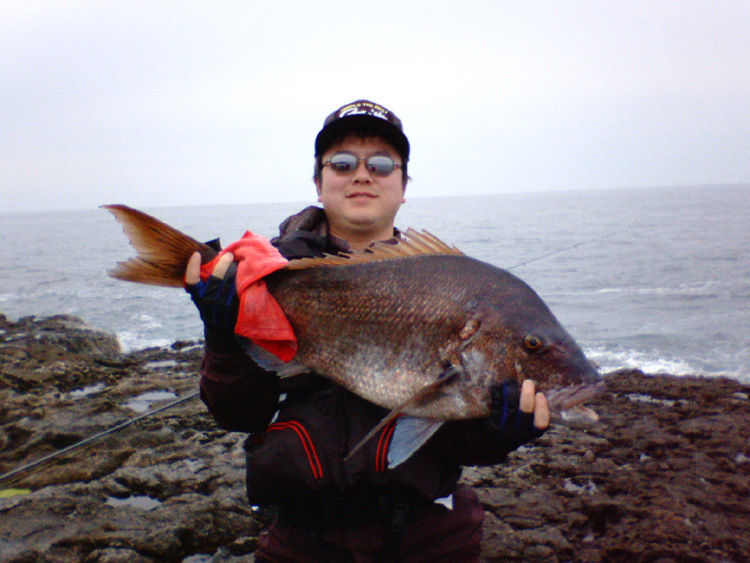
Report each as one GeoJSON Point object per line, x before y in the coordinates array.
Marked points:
{"type": "Point", "coordinates": [355, 195]}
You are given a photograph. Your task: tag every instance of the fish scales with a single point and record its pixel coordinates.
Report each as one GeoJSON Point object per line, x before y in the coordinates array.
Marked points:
{"type": "Point", "coordinates": [416, 326]}
{"type": "Point", "coordinates": [387, 329]}
{"type": "Point", "coordinates": [375, 328]}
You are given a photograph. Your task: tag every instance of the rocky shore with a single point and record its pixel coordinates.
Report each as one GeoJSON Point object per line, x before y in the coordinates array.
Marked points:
{"type": "Point", "coordinates": [664, 476]}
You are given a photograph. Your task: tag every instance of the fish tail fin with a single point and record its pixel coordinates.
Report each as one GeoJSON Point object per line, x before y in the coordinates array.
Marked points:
{"type": "Point", "coordinates": [162, 251]}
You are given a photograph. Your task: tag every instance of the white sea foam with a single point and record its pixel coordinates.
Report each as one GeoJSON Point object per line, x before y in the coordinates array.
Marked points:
{"type": "Point", "coordinates": [707, 288]}
{"type": "Point", "coordinates": [132, 340]}
{"type": "Point", "coordinates": [610, 360]}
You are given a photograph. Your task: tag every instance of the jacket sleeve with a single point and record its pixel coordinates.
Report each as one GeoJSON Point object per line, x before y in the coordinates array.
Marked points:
{"type": "Point", "coordinates": [241, 396]}
{"type": "Point", "coordinates": [472, 442]}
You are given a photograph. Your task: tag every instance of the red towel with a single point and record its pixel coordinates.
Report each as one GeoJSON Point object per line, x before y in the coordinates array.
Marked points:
{"type": "Point", "coordinates": [260, 317]}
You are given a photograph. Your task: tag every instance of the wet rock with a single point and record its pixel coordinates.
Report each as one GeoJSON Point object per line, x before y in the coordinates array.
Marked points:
{"type": "Point", "coordinates": [59, 337]}
{"type": "Point", "coordinates": [110, 555]}
{"type": "Point", "coordinates": [655, 480]}
{"type": "Point", "coordinates": [664, 476]}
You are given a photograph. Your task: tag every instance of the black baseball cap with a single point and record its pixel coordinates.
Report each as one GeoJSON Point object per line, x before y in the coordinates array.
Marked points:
{"type": "Point", "coordinates": [363, 115]}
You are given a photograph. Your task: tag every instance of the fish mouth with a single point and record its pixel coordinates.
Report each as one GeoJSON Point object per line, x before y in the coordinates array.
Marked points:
{"type": "Point", "coordinates": [567, 402]}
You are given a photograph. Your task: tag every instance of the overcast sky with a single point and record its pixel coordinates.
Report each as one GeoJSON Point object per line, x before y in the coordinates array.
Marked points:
{"type": "Point", "coordinates": [153, 103]}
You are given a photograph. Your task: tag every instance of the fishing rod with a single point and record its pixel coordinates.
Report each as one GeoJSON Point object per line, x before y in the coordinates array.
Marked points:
{"type": "Point", "coordinates": [95, 437]}
{"type": "Point", "coordinates": [123, 425]}
{"type": "Point", "coordinates": [571, 247]}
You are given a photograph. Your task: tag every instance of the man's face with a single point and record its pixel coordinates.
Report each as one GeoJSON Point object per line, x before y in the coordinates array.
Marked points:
{"type": "Point", "coordinates": [361, 205]}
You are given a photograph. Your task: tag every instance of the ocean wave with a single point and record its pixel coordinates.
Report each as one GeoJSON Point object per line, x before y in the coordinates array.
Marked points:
{"type": "Point", "coordinates": [623, 358]}
{"type": "Point", "coordinates": [654, 297]}
{"type": "Point", "coordinates": [131, 341]}
{"type": "Point", "coordinates": [703, 289]}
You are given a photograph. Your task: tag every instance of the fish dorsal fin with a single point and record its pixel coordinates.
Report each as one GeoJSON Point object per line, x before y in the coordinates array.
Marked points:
{"type": "Point", "coordinates": [413, 244]}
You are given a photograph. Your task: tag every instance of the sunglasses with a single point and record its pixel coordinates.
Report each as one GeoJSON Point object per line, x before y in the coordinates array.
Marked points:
{"type": "Point", "coordinates": [346, 163]}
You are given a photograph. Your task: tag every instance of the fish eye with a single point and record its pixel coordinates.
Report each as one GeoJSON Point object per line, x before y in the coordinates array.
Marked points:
{"type": "Point", "coordinates": [533, 343]}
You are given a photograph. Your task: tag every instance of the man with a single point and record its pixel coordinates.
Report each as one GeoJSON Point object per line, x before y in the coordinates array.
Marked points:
{"type": "Point", "coordinates": [332, 509]}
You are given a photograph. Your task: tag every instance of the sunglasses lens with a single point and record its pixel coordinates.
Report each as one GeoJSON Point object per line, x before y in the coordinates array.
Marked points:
{"type": "Point", "coordinates": [343, 162]}
{"type": "Point", "coordinates": [380, 165]}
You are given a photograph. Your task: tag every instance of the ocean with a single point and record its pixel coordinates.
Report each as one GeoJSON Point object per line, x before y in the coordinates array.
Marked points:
{"type": "Point", "coordinates": [655, 279]}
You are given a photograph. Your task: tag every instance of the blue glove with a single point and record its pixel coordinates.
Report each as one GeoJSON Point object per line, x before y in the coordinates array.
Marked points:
{"type": "Point", "coordinates": [218, 304]}
{"type": "Point", "coordinates": [509, 425]}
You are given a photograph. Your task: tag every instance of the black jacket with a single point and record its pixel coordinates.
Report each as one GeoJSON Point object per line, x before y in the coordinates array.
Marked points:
{"type": "Point", "coordinates": [297, 446]}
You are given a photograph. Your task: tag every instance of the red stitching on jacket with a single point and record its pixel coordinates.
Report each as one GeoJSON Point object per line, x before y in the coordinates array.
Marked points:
{"type": "Point", "coordinates": [307, 444]}
{"type": "Point", "coordinates": [381, 454]}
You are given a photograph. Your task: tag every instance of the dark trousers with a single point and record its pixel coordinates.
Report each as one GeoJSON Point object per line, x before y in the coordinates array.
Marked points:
{"type": "Point", "coordinates": [432, 533]}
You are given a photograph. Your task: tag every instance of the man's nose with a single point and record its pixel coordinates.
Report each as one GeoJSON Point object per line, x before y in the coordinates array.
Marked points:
{"type": "Point", "coordinates": [361, 173]}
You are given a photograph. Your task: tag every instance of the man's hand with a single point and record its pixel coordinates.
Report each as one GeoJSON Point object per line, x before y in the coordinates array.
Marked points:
{"type": "Point", "coordinates": [517, 420]}
{"type": "Point", "coordinates": [535, 403]}
{"type": "Point", "coordinates": [193, 272]}
{"type": "Point", "coordinates": [216, 299]}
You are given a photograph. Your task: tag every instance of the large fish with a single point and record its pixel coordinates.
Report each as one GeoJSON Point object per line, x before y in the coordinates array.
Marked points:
{"type": "Point", "coordinates": [416, 327]}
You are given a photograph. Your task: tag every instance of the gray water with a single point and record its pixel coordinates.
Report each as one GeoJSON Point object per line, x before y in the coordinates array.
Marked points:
{"type": "Point", "coordinates": [656, 279]}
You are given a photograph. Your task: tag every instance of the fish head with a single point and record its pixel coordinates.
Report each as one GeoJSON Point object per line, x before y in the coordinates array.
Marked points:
{"type": "Point", "coordinates": [517, 336]}
{"type": "Point", "coordinates": [552, 359]}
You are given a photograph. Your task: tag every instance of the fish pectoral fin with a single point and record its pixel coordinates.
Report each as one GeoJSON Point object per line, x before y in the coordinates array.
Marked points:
{"type": "Point", "coordinates": [409, 435]}
{"type": "Point", "coordinates": [446, 377]}
{"type": "Point", "coordinates": [378, 427]}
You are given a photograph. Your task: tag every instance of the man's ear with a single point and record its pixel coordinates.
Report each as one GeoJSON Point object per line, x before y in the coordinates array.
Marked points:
{"type": "Point", "coordinates": [318, 188]}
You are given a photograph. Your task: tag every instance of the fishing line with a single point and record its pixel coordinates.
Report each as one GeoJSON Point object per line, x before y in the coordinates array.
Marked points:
{"type": "Point", "coordinates": [95, 437]}
{"type": "Point", "coordinates": [118, 427]}
{"type": "Point", "coordinates": [564, 249]}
